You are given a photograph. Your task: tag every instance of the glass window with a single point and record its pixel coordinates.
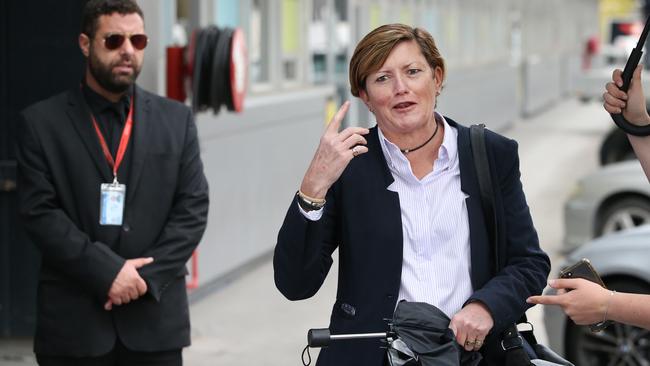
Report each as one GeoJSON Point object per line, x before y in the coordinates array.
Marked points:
{"type": "Point", "coordinates": [227, 13]}
{"type": "Point", "coordinates": [258, 48]}
{"type": "Point", "coordinates": [291, 39]}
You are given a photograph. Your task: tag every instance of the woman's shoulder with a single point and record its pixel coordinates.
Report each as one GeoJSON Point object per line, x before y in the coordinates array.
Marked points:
{"type": "Point", "coordinates": [499, 142]}
{"type": "Point", "coordinates": [494, 140]}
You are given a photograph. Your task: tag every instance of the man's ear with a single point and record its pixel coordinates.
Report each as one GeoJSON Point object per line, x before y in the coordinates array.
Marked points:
{"type": "Point", "coordinates": [84, 44]}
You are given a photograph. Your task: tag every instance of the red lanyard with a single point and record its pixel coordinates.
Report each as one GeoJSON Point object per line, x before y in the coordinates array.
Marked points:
{"type": "Point", "coordinates": [124, 142]}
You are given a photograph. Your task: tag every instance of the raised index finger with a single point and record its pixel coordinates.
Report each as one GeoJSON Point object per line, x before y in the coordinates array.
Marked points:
{"type": "Point", "coordinates": [335, 123]}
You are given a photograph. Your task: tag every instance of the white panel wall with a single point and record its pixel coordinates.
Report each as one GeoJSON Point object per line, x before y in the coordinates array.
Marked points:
{"type": "Point", "coordinates": [481, 95]}
{"type": "Point", "coordinates": [254, 162]}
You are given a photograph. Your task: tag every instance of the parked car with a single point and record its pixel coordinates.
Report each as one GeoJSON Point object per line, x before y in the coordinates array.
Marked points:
{"type": "Point", "coordinates": [616, 147]}
{"type": "Point", "coordinates": [623, 261]}
{"type": "Point", "coordinates": [614, 198]}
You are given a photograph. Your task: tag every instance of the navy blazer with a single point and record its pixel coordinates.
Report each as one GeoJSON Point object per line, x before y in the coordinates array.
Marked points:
{"type": "Point", "coordinates": [363, 220]}
{"type": "Point", "coordinates": [61, 167]}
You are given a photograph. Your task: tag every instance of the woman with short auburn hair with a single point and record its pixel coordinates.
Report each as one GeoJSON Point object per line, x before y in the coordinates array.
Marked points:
{"type": "Point", "coordinates": [375, 47]}
{"type": "Point", "coordinates": [401, 203]}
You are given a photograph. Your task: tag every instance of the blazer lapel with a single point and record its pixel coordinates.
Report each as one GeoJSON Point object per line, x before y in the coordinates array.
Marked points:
{"type": "Point", "coordinates": [374, 150]}
{"type": "Point", "coordinates": [80, 116]}
{"type": "Point", "coordinates": [387, 214]}
{"type": "Point", "coordinates": [141, 126]}
{"type": "Point", "coordinates": [479, 243]}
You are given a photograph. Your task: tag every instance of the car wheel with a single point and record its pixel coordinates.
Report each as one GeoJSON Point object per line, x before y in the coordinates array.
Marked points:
{"type": "Point", "coordinates": [616, 147]}
{"type": "Point", "coordinates": [624, 214]}
{"type": "Point", "coordinates": [618, 344]}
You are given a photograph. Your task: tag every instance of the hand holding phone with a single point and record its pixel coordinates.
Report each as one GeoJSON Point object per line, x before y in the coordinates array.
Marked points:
{"type": "Point", "coordinates": [583, 269]}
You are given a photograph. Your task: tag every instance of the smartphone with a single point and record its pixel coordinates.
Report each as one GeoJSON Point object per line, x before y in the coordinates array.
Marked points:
{"type": "Point", "coordinates": [584, 269]}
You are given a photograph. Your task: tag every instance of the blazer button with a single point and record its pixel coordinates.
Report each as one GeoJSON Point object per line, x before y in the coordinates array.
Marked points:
{"type": "Point", "coordinates": [126, 228]}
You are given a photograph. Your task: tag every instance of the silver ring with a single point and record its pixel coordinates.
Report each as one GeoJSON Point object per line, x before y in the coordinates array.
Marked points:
{"type": "Point", "coordinates": [355, 152]}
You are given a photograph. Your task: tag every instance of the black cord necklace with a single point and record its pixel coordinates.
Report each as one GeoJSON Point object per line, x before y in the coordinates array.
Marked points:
{"type": "Point", "coordinates": [406, 151]}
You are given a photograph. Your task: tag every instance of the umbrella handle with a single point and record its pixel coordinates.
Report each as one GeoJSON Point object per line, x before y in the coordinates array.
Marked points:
{"type": "Point", "coordinates": [321, 337]}
{"type": "Point", "coordinates": [631, 64]}
{"type": "Point", "coordinates": [318, 337]}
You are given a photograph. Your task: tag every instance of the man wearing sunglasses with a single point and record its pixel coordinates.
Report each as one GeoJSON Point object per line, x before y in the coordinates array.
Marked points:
{"type": "Point", "coordinates": [112, 192]}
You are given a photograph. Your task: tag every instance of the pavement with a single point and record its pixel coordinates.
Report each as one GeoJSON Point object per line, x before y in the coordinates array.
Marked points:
{"type": "Point", "coordinates": [249, 322]}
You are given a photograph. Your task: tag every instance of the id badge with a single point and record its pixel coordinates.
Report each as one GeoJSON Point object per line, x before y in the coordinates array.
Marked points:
{"type": "Point", "coordinates": [111, 206]}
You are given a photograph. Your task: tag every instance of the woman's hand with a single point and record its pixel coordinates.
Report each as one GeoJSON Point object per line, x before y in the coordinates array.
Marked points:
{"type": "Point", "coordinates": [632, 103]}
{"type": "Point", "coordinates": [471, 325]}
{"type": "Point", "coordinates": [334, 153]}
{"type": "Point", "coordinates": [585, 304]}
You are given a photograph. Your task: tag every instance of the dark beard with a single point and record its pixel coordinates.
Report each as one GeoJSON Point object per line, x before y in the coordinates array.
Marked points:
{"type": "Point", "coordinates": [103, 74]}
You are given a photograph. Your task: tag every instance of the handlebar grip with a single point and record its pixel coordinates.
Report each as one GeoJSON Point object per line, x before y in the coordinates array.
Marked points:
{"type": "Point", "coordinates": [318, 337]}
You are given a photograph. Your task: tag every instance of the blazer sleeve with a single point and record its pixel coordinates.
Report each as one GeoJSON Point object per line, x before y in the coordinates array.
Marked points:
{"type": "Point", "coordinates": [303, 253]}
{"type": "Point", "coordinates": [187, 219]}
{"type": "Point", "coordinates": [525, 265]}
{"type": "Point", "coordinates": [63, 245]}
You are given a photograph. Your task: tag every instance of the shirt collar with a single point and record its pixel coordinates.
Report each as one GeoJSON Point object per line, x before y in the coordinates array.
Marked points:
{"type": "Point", "coordinates": [447, 154]}
{"type": "Point", "coordinates": [98, 104]}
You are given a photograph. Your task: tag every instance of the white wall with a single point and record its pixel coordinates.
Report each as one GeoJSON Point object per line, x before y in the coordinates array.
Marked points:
{"type": "Point", "coordinates": [254, 162]}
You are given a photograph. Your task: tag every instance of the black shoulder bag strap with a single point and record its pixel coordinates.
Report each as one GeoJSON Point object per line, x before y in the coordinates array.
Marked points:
{"type": "Point", "coordinates": [511, 342]}
{"type": "Point", "coordinates": [482, 167]}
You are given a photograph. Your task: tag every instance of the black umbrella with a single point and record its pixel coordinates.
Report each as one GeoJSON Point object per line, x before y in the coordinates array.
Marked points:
{"type": "Point", "coordinates": [419, 335]}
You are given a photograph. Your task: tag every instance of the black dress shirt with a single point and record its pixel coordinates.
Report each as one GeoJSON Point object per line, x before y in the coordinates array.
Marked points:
{"type": "Point", "coordinates": [111, 118]}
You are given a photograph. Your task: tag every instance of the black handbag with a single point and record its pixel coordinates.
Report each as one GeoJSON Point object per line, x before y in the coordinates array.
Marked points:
{"type": "Point", "coordinates": [521, 347]}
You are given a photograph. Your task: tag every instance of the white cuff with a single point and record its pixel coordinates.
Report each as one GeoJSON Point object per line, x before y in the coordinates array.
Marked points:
{"type": "Point", "coordinates": [314, 215]}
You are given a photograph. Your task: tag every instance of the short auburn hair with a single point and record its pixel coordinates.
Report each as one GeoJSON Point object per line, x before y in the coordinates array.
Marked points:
{"type": "Point", "coordinates": [373, 50]}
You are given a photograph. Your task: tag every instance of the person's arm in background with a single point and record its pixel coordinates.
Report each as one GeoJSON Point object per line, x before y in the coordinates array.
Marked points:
{"type": "Point", "coordinates": [590, 303]}
{"type": "Point", "coordinates": [633, 106]}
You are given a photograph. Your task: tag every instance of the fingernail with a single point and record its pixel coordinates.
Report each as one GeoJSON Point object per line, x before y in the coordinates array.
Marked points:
{"type": "Point", "coordinates": [528, 300]}
{"type": "Point", "coordinates": [551, 282]}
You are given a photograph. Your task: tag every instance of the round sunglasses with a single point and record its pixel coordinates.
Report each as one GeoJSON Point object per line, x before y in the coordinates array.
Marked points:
{"type": "Point", "coordinates": [113, 41]}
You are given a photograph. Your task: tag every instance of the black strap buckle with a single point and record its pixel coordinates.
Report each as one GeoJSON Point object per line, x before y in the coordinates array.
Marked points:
{"type": "Point", "coordinates": [512, 339]}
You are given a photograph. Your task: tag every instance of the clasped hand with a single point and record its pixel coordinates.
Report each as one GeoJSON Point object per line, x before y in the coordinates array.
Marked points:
{"type": "Point", "coordinates": [128, 285]}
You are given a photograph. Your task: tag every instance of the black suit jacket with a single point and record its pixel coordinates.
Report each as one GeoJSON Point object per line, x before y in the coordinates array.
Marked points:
{"type": "Point", "coordinates": [61, 167]}
{"type": "Point", "coordinates": [363, 220]}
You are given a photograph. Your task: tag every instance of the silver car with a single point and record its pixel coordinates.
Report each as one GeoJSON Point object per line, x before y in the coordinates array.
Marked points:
{"type": "Point", "coordinates": [614, 198]}
{"type": "Point", "coordinates": [623, 261]}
